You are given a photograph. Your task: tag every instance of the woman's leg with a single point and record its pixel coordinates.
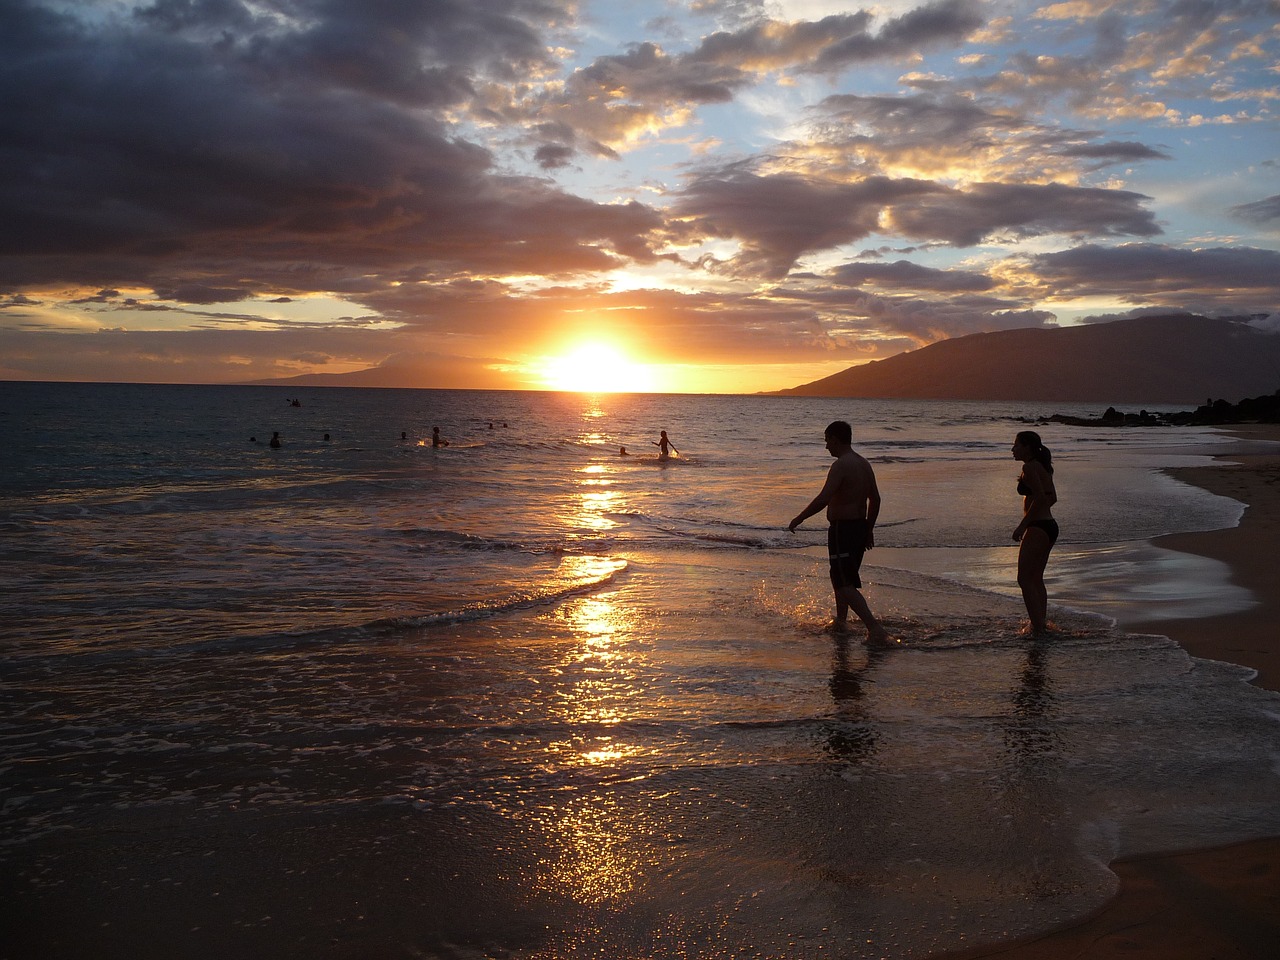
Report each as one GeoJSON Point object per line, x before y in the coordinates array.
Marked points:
{"type": "Point", "coordinates": [1033, 557]}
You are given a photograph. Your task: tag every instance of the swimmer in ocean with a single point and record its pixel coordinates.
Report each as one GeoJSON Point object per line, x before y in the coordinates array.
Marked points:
{"type": "Point", "coordinates": [665, 446]}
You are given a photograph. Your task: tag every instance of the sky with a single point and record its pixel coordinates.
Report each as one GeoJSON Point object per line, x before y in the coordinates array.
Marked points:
{"type": "Point", "coordinates": [711, 196]}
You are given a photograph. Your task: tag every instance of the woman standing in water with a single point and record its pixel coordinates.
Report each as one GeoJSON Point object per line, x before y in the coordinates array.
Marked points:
{"type": "Point", "coordinates": [1038, 530]}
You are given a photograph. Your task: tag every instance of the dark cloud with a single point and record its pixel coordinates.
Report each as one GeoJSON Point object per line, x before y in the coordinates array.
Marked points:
{"type": "Point", "coordinates": [1218, 280]}
{"type": "Point", "coordinates": [1116, 152]}
{"type": "Point", "coordinates": [102, 296]}
{"type": "Point", "coordinates": [918, 320]}
{"type": "Point", "coordinates": [937, 131]}
{"type": "Point", "coordinates": [201, 293]}
{"type": "Point", "coordinates": [778, 218]}
{"type": "Point", "coordinates": [943, 22]}
{"type": "Point", "coordinates": [1261, 212]}
{"type": "Point", "coordinates": [203, 141]}
{"type": "Point", "coordinates": [919, 118]}
{"type": "Point", "coordinates": [990, 210]}
{"type": "Point", "coordinates": [908, 275]}
{"type": "Point", "coordinates": [416, 54]}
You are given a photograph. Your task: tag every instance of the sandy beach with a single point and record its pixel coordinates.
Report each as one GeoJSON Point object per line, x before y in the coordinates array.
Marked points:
{"type": "Point", "coordinates": [1222, 904]}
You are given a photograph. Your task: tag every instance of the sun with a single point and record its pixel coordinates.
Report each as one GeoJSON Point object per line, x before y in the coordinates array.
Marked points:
{"type": "Point", "coordinates": [596, 368]}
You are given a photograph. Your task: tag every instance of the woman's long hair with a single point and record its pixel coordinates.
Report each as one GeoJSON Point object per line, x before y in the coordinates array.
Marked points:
{"type": "Point", "coordinates": [1029, 438]}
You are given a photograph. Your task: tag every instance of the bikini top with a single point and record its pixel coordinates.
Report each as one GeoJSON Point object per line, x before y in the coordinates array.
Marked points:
{"type": "Point", "coordinates": [1023, 488]}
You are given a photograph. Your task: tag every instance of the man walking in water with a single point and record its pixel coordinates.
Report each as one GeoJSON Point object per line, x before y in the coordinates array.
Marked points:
{"type": "Point", "coordinates": [852, 500]}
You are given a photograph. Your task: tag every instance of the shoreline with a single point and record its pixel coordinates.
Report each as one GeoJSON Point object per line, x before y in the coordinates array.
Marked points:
{"type": "Point", "coordinates": [1246, 637]}
{"type": "Point", "coordinates": [1222, 903]}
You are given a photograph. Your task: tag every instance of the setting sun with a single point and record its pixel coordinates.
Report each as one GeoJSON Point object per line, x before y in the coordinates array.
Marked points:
{"type": "Point", "coordinates": [596, 368]}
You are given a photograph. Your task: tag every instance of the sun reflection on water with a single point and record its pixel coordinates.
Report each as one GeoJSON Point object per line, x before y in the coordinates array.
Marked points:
{"type": "Point", "coordinates": [597, 840]}
{"type": "Point", "coordinates": [597, 837]}
{"type": "Point", "coordinates": [595, 501]}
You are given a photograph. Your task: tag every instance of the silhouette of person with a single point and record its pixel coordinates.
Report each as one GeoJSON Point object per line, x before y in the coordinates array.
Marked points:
{"type": "Point", "coordinates": [665, 445]}
{"type": "Point", "coordinates": [1038, 531]}
{"type": "Point", "coordinates": [852, 502]}
{"type": "Point", "coordinates": [622, 452]}
{"type": "Point", "coordinates": [436, 439]}
{"type": "Point", "coordinates": [275, 440]}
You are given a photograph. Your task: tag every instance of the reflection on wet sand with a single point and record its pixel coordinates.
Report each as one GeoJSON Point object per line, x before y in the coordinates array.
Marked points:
{"type": "Point", "coordinates": [593, 835]}
{"type": "Point", "coordinates": [853, 737]}
{"type": "Point", "coordinates": [1030, 734]}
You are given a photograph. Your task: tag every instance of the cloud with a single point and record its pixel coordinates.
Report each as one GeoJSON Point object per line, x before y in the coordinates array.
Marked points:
{"type": "Point", "coordinates": [618, 100]}
{"type": "Point", "coordinates": [904, 274]}
{"type": "Point", "coordinates": [987, 210]}
{"type": "Point", "coordinates": [957, 137]}
{"type": "Point", "coordinates": [943, 22]}
{"type": "Point", "coordinates": [1260, 212]}
{"type": "Point", "coordinates": [144, 153]}
{"type": "Point", "coordinates": [1136, 57]}
{"type": "Point", "coordinates": [778, 218]}
{"type": "Point", "coordinates": [1212, 280]}
{"type": "Point", "coordinates": [907, 320]}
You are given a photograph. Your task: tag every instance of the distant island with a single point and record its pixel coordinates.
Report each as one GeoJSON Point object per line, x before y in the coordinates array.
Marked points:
{"type": "Point", "coordinates": [1178, 359]}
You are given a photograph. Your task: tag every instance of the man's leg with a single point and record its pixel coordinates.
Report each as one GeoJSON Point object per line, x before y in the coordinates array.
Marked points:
{"type": "Point", "coordinates": [852, 598]}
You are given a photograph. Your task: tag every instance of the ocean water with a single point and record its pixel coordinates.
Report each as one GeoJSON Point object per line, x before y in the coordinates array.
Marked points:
{"type": "Point", "coordinates": [524, 697]}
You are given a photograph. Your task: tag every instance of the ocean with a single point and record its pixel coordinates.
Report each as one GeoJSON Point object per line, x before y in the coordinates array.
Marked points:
{"type": "Point", "coordinates": [525, 697]}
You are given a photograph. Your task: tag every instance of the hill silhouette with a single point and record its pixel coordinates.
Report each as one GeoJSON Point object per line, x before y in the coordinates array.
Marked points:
{"type": "Point", "coordinates": [1155, 359]}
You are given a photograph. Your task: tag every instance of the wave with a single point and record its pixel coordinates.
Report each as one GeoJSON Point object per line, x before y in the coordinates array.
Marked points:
{"type": "Point", "coordinates": [575, 574]}
{"type": "Point", "coordinates": [604, 571]}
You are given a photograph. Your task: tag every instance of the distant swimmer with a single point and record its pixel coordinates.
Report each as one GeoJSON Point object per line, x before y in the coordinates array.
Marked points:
{"type": "Point", "coordinates": [1038, 531]}
{"type": "Point", "coordinates": [852, 501]}
{"type": "Point", "coordinates": [275, 439]}
{"type": "Point", "coordinates": [326, 438]}
{"type": "Point", "coordinates": [622, 452]}
{"type": "Point", "coordinates": [665, 446]}
{"type": "Point", "coordinates": [436, 439]}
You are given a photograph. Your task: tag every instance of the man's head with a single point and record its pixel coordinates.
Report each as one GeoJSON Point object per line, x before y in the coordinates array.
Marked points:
{"type": "Point", "coordinates": [839, 436]}
{"type": "Point", "coordinates": [840, 432]}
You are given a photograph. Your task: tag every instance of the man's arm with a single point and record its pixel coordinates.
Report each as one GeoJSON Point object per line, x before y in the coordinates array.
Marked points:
{"type": "Point", "coordinates": [818, 502]}
{"type": "Point", "coordinates": [873, 508]}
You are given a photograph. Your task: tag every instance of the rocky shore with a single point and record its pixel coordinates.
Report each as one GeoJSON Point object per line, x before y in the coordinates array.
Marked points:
{"type": "Point", "coordinates": [1264, 409]}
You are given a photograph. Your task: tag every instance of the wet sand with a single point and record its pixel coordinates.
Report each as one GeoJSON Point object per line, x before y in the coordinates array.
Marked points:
{"type": "Point", "coordinates": [1217, 904]}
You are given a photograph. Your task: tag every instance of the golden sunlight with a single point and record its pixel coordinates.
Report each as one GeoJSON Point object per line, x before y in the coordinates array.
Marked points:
{"type": "Point", "coordinates": [596, 368]}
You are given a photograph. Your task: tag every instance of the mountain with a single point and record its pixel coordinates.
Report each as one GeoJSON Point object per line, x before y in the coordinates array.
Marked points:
{"type": "Point", "coordinates": [1157, 359]}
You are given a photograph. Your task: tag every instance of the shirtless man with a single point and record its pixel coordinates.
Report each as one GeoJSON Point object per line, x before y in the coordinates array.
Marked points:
{"type": "Point", "coordinates": [852, 500]}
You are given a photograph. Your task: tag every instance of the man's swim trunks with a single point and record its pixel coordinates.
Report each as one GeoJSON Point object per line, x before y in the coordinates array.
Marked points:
{"type": "Point", "coordinates": [846, 543]}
